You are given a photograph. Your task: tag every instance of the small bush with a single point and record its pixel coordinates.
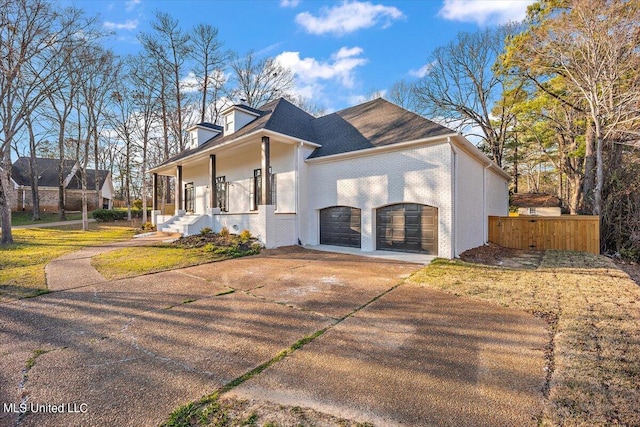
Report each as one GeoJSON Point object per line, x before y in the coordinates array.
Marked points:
{"type": "Point", "coordinates": [630, 254]}
{"type": "Point", "coordinates": [108, 215]}
{"type": "Point", "coordinates": [147, 226]}
{"type": "Point", "coordinates": [245, 236]}
{"type": "Point", "coordinates": [224, 232]}
{"type": "Point", "coordinates": [205, 231]}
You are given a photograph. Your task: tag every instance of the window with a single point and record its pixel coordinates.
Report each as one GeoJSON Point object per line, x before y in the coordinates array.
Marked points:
{"type": "Point", "coordinates": [222, 194]}
{"type": "Point", "coordinates": [228, 122]}
{"type": "Point", "coordinates": [532, 211]}
{"type": "Point", "coordinates": [256, 189]}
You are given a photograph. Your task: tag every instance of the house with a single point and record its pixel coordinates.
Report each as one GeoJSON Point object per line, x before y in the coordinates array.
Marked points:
{"type": "Point", "coordinates": [536, 204]}
{"type": "Point", "coordinates": [373, 177]}
{"type": "Point", "coordinates": [48, 185]}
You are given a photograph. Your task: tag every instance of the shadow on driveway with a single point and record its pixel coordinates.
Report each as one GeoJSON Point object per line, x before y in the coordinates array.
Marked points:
{"type": "Point", "coordinates": [134, 350]}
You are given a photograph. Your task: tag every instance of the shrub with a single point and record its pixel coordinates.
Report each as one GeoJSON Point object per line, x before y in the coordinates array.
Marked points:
{"type": "Point", "coordinates": [147, 226]}
{"type": "Point", "coordinates": [245, 236]}
{"type": "Point", "coordinates": [224, 232]}
{"type": "Point", "coordinates": [205, 231]}
{"type": "Point", "coordinates": [108, 215]}
{"type": "Point", "coordinates": [137, 204]}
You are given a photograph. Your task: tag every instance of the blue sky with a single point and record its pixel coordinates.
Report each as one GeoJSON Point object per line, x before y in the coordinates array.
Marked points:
{"type": "Point", "coordinates": [340, 51]}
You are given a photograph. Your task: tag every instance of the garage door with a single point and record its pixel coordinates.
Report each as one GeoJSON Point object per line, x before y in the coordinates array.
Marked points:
{"type": "Point", "coordinates": [340, 226]}
{"type": "Point", "coordinates": [407, 227]}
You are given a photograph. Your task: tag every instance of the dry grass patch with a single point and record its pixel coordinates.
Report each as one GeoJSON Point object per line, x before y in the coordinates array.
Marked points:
{"type": "Point", "coordinates": [593, 310]}
{"type": "Point", "coordinates": [22, 263]}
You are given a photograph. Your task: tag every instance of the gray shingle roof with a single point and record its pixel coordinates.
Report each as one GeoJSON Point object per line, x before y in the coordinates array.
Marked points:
{"type": "Point", "coordinates": [48, 173]}
{"type": "Point", "coordinates": [372, 124]}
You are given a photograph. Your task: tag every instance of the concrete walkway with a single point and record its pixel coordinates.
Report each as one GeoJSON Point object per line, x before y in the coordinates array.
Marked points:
{"type": "Point", "coordinates": [52, 224]}
{"type": "Point", "coordinates": [74, 269]}
{"type": "Point", "coordinates": [129, 352]}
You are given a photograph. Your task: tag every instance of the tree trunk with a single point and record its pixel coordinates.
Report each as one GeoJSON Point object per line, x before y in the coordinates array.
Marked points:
{"type": "Point", "coordinates": [5, 189]}
{"type": "Point", "coordinates": [33, 170]}
{"type": "Point", "coordinates": [589, 169]}
{"type": "Point", "coordinates": [85, 216]}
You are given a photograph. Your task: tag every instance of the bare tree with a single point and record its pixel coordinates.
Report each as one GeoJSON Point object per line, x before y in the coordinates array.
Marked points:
{"type": "Point", "coordinates": [170, 47]}
{"type": "Point", "coordinates": [461, 87]}
{"type": "Point", "coordinates": [209, 60]}
{"type": "Point", "coordinates": [403, 94]}
{"type": "Point", "coordinates": [259, 81]}
{"type": "Point", "coordinates": [31, 36]}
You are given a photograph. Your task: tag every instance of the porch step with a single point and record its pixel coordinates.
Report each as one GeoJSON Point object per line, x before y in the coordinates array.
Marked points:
{"type": "Point", "coordinates": [179, 224]}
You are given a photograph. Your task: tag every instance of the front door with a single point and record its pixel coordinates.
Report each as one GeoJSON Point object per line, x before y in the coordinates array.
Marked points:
{"type": "Point", "coordinates": [189, 197]}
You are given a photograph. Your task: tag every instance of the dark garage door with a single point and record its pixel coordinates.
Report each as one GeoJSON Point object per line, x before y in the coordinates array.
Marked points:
{"type": "Point", "coordinates": [340, 226]}
{"type": "Point", "coordinates": [407, 227]}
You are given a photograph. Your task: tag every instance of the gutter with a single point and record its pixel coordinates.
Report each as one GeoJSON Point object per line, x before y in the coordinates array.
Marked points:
{"type": "Point", "coordinates": [454, 205]}
{"type": "Point", "coordinates": [238, 141]}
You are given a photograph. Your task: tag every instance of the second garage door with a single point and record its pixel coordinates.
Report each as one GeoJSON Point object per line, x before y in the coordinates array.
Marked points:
{"type": "Point", "coordinates": [340, 226]}
{"type": "Point", "coordinates": [407, 227]}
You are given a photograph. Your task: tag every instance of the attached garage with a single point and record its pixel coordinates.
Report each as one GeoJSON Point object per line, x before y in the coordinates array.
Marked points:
{"type": "Point", "coordinates": [407, 227]}
{"type": "Point", "coordinates": [340, 226]}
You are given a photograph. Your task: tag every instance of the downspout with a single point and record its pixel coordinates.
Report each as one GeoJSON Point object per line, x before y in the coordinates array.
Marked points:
{"type": "Point", "coordinates": [454, 205]}
{"type": "Point", "coordinates": [297, 189]}
{"type": "Point", "coordinates": [485, 218]}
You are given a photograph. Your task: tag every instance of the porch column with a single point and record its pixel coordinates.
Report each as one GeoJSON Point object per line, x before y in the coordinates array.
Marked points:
{"type": "Point", "coordinates": [154, 206]}
{"type": "Point", "coordinates": [212, 178]}
{"type": "Point", "coordinates": [266, 181]}
{"type": "Point", "coordinates": [178, 188]}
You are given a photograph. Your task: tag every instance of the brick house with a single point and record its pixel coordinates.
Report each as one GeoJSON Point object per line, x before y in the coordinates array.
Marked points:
{"type": "Point", "coordinates": [48, 185]}
{"type": "Point", "coordinates": [373, 176]}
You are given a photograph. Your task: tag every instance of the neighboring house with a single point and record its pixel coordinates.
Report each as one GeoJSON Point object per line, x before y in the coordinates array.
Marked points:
{"type": "Point", "coordinates": [373, 176]}
{"type": "Point", "coordinates": [538, 204]}
{"type": "Point", "coordinates": [48, 185]}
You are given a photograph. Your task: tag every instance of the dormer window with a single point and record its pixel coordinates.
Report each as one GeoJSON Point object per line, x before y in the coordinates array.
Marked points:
{"type": "Point", "coordinates": [228, 123]}
{"type": "Point", "coordinates": [201, 133]}
{"type": "Point", "coordinates": [238, 116]}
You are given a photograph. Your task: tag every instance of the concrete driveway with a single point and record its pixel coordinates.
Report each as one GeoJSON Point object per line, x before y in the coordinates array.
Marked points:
{"type": "Point", "coordinates": [129, 352]}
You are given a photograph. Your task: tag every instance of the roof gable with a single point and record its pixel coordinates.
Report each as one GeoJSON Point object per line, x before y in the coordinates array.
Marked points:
{"type": "Point", "coordinates": [48, 173]}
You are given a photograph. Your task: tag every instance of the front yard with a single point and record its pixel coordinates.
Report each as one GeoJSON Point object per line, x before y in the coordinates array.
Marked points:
{"type": "Point", "coordinates": [593, 312]}
{"type": "Point", "coordinates": [22, 263]}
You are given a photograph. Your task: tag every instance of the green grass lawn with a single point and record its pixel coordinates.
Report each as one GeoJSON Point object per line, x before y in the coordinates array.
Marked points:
{"type": "Point", "coordinates": [24, 217]}
{"type": "Point", "coordinates": [130, 262]}
{"type": "Point", "coordinates": [593, 312]}
{"type": "Point", "coordinates": [22, 263]}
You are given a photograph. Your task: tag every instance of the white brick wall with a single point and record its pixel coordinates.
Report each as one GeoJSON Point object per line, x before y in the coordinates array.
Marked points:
{"type": "Point", "coordinates": [470, 221]}
{"type": "Point", "coordinates": [414, 175]}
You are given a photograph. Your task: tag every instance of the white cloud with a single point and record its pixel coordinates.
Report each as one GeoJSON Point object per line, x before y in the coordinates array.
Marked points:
{"type": "Point", "coordinates": [348, 17]}
{"type": "Point", "coordinates": [315, 79]}
{"type": "Point", "coordinates": [310, 70]}
{"type": "Point", "coordinates": [422, 71]}
{"type": "Point", "coordinates": [131, 4]}
{"type": "Point", "coordinates": [484, 11]}
{"type": "Point", "coordinates": [130, 25]}
{"type": "Point", "coordinates": [289, 3]}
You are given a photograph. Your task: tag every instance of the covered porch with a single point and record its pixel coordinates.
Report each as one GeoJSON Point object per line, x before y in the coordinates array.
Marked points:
{"type": "Point", "coordinates": [250, 184]}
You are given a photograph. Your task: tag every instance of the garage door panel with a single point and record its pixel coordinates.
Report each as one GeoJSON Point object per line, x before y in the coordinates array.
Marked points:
{"type": "Point", "coordinates": [407, 227]}
{"type": "Point", "coordinates": [340, 226]}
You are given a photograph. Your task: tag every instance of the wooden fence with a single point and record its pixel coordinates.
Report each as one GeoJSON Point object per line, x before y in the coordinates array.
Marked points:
{"type": "Point", "coordinates": [570, 232]}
